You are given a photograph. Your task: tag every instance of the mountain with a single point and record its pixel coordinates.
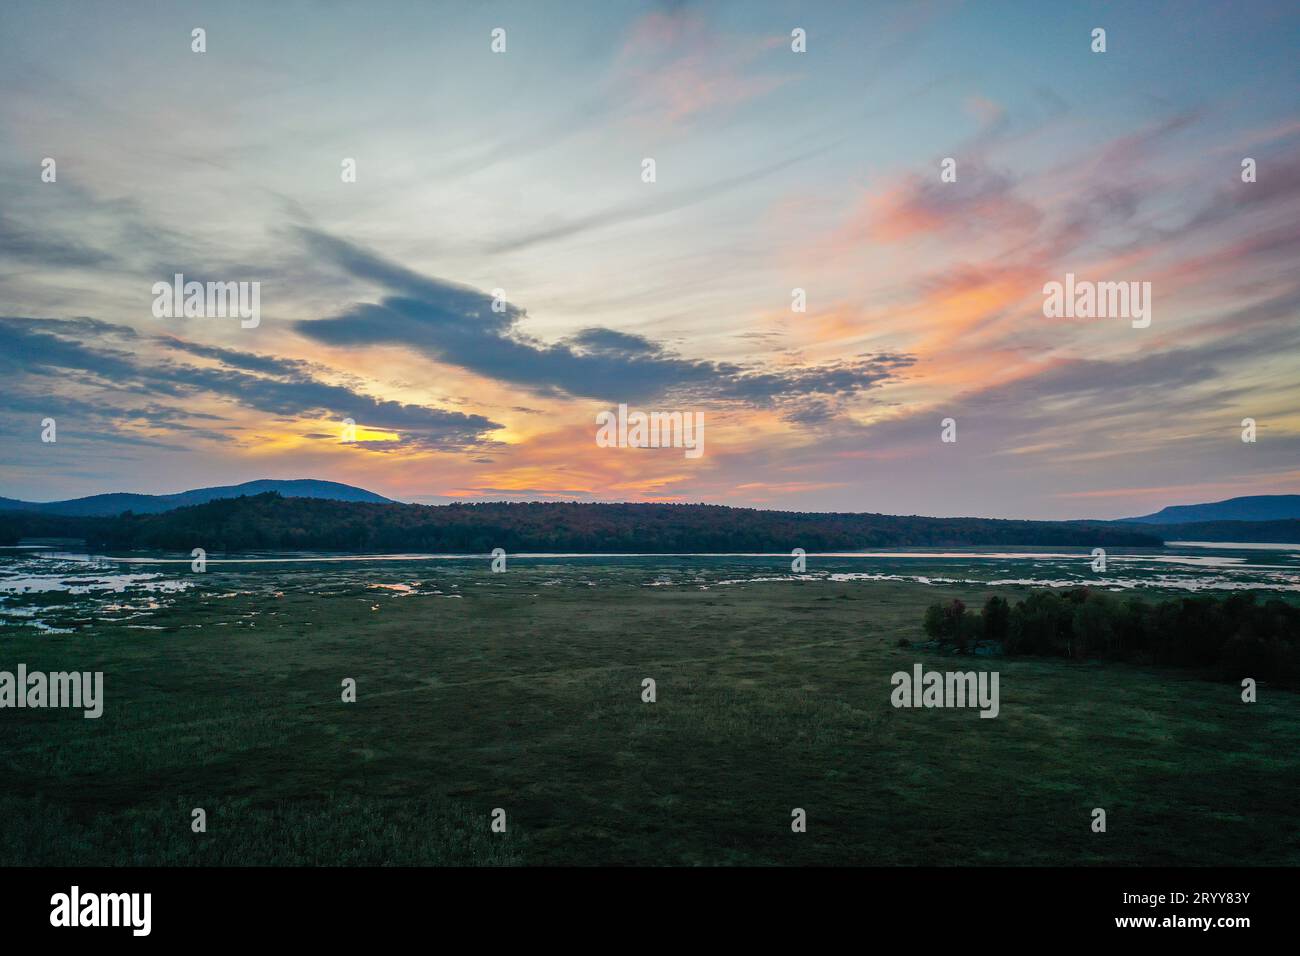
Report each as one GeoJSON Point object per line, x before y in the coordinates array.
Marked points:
{"type": "Point", "coordinates": [114, 504]}
{"type": "Point", "coordinates": [270, 522]}
{"type": "Point", "coordinates": [1251, 508]}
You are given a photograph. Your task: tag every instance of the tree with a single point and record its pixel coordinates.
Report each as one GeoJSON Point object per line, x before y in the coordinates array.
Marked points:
{"type": "Point", "coordinates": [954, 623]}
{"type": "Point", "coordinates": [1093, 627]}
{"type": "Point", "coordinates": [997, 615]}
{"type": "Point", "coordinates": [934, 621]}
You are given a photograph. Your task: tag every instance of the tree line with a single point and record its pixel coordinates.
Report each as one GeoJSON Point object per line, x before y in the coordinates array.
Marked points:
{"type": "Point", "coordinates": [272, 522]}
{"type": "Point", "coordinates": [1232, 636]}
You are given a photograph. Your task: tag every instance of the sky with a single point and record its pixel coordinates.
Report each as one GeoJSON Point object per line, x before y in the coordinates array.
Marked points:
{"type": "Point", "coordinates": [516, 179]}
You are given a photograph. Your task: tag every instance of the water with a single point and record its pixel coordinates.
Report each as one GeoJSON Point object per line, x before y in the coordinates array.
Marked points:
{"type": "Point", "coordinates": [62, 592]}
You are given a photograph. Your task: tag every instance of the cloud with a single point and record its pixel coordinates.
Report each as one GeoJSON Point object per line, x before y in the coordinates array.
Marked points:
{"type": "Point", "coordinates": [1277, 187]}
{"type": "Point", "coordinates": [646, 209]}
{"type": "Point", "coordinates": [674, 68]}
{"type": "Point", "coordinates": [982, 200]}
{"type": "Point", "coordinates": [48, 251]}
{"type": "Point", "coordinates": [457, 325]}
{"type": "Point", "coordinates": [38, 350]}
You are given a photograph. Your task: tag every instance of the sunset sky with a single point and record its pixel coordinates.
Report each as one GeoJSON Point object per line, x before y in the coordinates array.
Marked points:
{"type": "Point", "coordinates": [775, 170]}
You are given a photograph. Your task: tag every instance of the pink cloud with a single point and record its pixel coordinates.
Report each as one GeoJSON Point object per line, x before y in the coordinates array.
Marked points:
{"type": "Point", "coordinates": [676, 68]}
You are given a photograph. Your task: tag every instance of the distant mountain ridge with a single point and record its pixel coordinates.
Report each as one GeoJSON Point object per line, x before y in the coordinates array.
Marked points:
{"type": "Point", "coordinates": [1248, 508]}
{"type": "Point", "coordinates": [108, 505]}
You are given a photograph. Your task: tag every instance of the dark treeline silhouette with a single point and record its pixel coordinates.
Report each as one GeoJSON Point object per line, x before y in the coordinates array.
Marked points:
{"type": "Point", "coordinates": [1233, 637]}
{"type": "Point", "coordinates": [272, 522]}
{"type": "Point", "coordinates": [1278, 531]}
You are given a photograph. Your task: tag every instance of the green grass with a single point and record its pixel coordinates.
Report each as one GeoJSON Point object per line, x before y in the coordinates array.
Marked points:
{"type": "Point", "coordinates": [770, 697]}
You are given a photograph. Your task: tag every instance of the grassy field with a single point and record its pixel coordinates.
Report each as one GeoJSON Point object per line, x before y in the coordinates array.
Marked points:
{"type": "Point", "coordinates": [528, 698]}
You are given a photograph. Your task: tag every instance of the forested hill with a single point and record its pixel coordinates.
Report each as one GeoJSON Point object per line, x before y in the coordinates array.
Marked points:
{"type": "Point", "coordinates": [271, 522]}
{"type": "Point", "coordinates": [115, 503]}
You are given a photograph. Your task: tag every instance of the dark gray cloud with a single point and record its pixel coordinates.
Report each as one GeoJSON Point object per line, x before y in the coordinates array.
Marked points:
{"type": "Point", "coordinates": [38, 350]}
{"type": "Point", "coordinates": [42, 248]}
{"type": "Point", "coordinates": [456, 325]}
